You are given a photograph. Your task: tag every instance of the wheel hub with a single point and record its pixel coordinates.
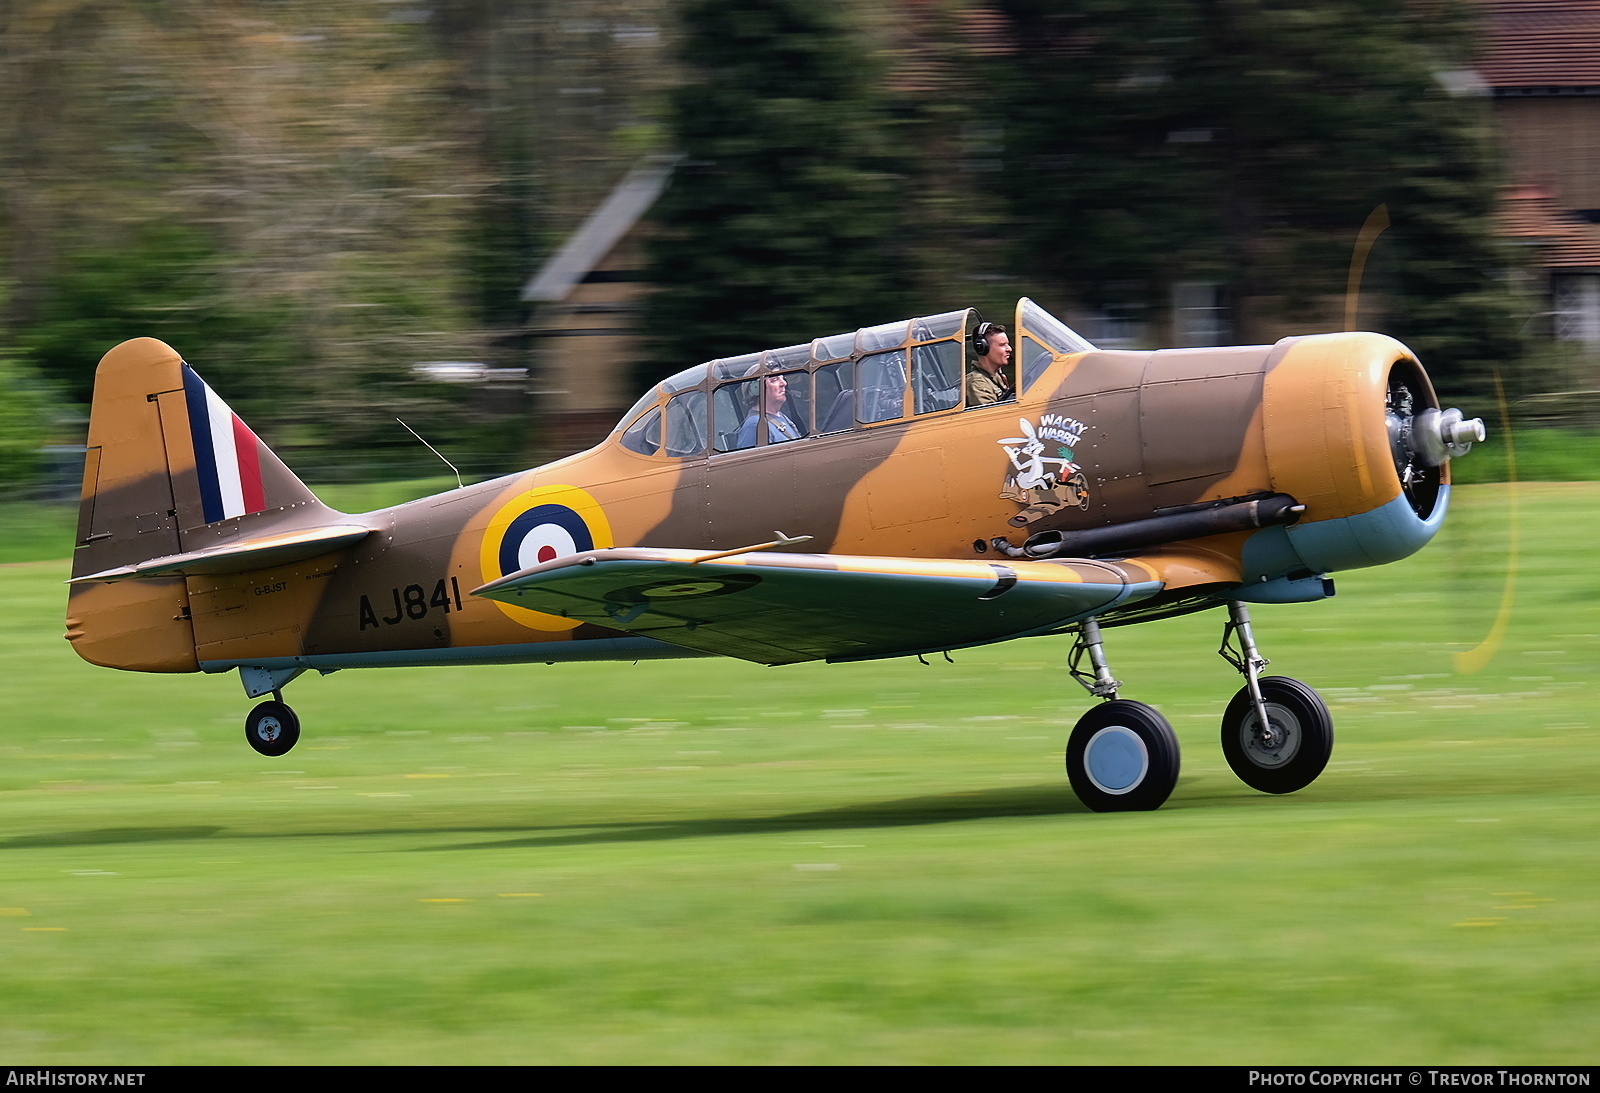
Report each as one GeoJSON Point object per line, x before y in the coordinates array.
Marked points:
{"type": "Point", "coordinates": [269, 728]}
{"type": "Point", "coordinates": [1116, 760]}
{"type": "Point", "coordinates": [1275, 743]}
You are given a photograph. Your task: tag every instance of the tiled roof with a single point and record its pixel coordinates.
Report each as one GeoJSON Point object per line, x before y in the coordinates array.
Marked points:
{"type": "Point", "coordinates": [933, 44]}
{"type": "Point", "coordinates": [1541, 45]}
{"type": "Point", "coordinates": [987, 32]}
{"type": "Point", "coordinates": [1566, 241]}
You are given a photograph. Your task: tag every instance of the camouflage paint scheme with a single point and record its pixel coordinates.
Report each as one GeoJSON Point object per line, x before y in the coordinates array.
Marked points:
{"type": "Point", "coordinates": [894, 508]}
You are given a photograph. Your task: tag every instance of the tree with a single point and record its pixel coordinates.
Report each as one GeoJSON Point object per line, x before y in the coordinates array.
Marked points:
{"type": "Point", "coordinates": [280, 190]}
{"type": "Point", "coordinates": [29, 415]}
{"type": "Point", "coordinates": [781, 222]}
{"type": "Point", "coordinates": [1245, 142]}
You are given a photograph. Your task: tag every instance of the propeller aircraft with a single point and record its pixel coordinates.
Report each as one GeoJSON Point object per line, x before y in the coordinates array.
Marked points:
{"type": "Point", "coordinates": [1110, 488]}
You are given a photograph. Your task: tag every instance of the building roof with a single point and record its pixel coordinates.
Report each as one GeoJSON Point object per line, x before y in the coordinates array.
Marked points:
{"type": "Point", "coordinates": [624, 207]}
{"type": "Point", "coordinates": [933, 42]}
{"type": "Point", "coordinates": [1566, 241]}
{"type": "Point", "coordinates": [1541, 46]}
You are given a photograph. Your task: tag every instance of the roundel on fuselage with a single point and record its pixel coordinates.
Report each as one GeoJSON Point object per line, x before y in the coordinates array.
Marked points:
{"type": "Point", "coordinates": [541, 525]}
{"type": "Point", "coordinates": [543, 534]}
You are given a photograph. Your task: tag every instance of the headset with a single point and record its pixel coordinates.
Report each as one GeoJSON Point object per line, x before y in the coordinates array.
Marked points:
{"type": "Point", "coordinates": [980, 339]}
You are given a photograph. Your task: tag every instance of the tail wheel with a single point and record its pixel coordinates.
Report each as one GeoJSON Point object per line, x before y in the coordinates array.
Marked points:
{"type": "Point", "coordinates": [1122, 757]}
{"type": "Point", "coordinates": [1289, 752]}
{"type": "Point", "coordinates": [272, 728]}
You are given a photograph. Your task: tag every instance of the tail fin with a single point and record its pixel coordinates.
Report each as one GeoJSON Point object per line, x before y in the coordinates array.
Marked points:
{"type": "Point", "coordinates": [170, 470]}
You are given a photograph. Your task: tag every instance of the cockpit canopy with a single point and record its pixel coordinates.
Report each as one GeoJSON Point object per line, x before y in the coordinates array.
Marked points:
{"type": "Point", "coordinates": [867, 377]}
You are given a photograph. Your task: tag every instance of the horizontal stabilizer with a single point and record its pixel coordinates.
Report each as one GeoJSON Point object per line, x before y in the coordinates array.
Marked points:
{"type": "Point", "coordinates": [775, 608]}
{"type": "Point", "coordinates": [239, 557]}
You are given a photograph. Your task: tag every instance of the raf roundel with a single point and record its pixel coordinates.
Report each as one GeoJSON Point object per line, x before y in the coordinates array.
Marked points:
{"type": "Point", "coordinates": [538, 526]}
{"type": "Point", "coordinates": [541, 535]}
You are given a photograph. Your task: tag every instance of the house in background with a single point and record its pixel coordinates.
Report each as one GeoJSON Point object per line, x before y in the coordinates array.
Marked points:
{"type": "Point", "coordinates": [1566, 258]}
{"type": "Point", "coordinates": [1540, 64]}
{"type": "Point", "coordinates": [587, 297]}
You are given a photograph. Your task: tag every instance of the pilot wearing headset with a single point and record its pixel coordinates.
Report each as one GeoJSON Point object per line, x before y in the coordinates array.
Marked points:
{"type": "Point", "coordinates": [989, 380]}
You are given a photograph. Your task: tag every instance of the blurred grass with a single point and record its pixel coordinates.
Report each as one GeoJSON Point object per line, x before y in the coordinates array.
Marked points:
{"type": "Point", "coordinates": [32, 531]}
{"type": "Point", "coordinates": [1543, 455]}
{"type": "Point", "coordinates": [708, 861]}
{"type": "Point", "coordinates": [364, 497]}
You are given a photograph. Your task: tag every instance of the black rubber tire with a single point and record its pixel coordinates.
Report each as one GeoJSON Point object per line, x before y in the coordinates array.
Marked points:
{"type": "Point", "coordinates": [1134, 753]}
{"type": "Point", "coordinates": [1302, 756]}
{"type": "Point", "coordinates": [272, 728]}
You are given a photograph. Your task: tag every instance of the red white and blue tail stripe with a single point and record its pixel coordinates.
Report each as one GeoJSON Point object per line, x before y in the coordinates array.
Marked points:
{"type": "Point", "coordinates": [227, 455]}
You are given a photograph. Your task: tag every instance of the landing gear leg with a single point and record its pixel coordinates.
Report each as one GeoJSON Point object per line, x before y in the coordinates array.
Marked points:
{"type": "Point", "coordinates": [272, 727]}
{"type": "Point", "coordinates": [1277, 733]}
{"type": "Point", "coordinates": [1122, 755]}
{"type": "Point", "coordinates": [1099, 681]}
{"type": "Point", "coordinates": [1246, 657]}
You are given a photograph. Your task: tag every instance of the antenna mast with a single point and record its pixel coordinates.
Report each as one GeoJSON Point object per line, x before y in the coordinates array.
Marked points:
{"type": "Point", "coordinates": [459, 484]}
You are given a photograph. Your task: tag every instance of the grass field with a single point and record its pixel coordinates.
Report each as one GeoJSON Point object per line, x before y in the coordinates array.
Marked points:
{"type": "Point", "coordinates": [714, 862]}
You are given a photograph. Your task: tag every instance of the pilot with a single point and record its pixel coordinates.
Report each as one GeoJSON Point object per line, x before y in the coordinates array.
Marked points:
{"type": "Point", "coordinates": [780, 426]}
{"type": "Point", "coordinates": [989, 378]}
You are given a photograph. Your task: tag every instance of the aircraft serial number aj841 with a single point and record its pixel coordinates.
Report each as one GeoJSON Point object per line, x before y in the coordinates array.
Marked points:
{"type": "Point", "coordinates": [1117, 487]}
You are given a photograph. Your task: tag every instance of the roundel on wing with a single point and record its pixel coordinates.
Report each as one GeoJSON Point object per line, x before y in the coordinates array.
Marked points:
{"type": "Point", "coordinates": [538, 526]}
{"type": "Point", "coordinates": [684, 589]}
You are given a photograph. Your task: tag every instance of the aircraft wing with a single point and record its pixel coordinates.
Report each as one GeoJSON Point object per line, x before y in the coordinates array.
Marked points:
{"type": "Point", "coordinates": [775, 608]}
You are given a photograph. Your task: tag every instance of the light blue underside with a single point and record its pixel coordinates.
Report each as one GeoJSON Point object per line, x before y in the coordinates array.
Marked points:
{"type": "Point", "coordinates": [1284, 590]}
{"type": "Point", "coordinates": [1386, 534]}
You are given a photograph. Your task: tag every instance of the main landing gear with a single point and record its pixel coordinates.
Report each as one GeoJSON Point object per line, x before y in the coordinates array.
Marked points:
{"type": "Point", "coordinates": [1277, 734]}
{"type": "Point", "coordinates": [1122, 755]}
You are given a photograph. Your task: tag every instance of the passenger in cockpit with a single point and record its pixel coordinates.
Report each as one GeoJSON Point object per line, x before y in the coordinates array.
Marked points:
{"type": "Point", "coordinates": [780, 426]}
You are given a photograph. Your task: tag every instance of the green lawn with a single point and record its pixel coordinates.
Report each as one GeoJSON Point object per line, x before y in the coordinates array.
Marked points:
{"type": "Point", "coordinates": [715, 862]}
{"type": "Point", "coordinates": [1543, 454]}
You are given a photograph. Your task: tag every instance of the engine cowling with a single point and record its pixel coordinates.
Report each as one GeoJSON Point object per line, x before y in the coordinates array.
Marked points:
{"type": "Point", "coordinates": [1354, 431]}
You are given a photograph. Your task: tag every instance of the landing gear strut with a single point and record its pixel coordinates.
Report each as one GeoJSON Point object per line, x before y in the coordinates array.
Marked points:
{"type": "Point", "coordinates": [1277, 733]}
{"type": "Point", "coordinates": [1122, 755]}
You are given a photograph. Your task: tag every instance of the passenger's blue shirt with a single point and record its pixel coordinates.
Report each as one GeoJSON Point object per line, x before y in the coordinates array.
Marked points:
{"type": "Point", "coordinates": [780, 427]}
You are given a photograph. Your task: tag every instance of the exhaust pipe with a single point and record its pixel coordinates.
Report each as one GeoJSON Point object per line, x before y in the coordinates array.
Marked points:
{"type": "Point", "coordinates": [1213, 518]}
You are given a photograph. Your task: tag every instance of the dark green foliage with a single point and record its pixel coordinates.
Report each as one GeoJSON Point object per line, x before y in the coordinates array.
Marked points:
{"type": "Point", "coordinates": [327, 419]}
{"type": "Point", "coordinates": [27, 418]}
{"type": "Point", "coordinates": [162, 282]}
{"type": "Point", "coordinates": [1246, 141]}
{"type": "Point", "coordinates": [781, 224]}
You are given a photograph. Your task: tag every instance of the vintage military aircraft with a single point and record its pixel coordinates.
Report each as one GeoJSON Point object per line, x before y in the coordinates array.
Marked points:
{"type": "Point", "coordinates": [1117, 487]}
